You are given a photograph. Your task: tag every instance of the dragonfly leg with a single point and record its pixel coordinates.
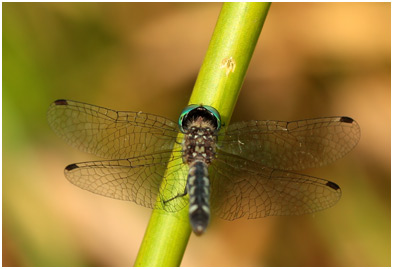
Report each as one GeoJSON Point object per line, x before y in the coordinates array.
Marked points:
{"type": "Point", "coordinates": [177, 196]}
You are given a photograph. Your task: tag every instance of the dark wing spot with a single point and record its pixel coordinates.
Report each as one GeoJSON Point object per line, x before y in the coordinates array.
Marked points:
{"type": "Point", "coordinates": [332, 185]}
{"type": "Point", "coordinates": [71, 167]}
{"type": "Point", "coordinates": [61, 102]}
{"type": "Point", "coordinates": [346, 119]}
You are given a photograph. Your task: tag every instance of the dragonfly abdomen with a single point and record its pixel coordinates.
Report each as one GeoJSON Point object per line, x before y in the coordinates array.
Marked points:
{"type": "Point", "coordinates": [198, 188]}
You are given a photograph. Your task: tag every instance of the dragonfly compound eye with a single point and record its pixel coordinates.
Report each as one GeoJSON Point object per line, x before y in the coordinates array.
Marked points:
{"type": "Point", "coordinates": [192, 112]}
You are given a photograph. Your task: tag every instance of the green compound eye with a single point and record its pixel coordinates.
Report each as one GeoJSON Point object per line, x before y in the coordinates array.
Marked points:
{"type": "Point", "coordinates": [192, 111]}
{"type": "Point", "coordinates": [214, 114]}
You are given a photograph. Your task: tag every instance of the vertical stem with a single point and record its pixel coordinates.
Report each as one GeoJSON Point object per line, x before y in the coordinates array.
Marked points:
{"type": "Point", "coordinates": [218, 84]}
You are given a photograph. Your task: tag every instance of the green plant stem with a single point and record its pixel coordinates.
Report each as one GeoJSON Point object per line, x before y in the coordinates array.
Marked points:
{"type": "Point", "coordinates": [218, 85]}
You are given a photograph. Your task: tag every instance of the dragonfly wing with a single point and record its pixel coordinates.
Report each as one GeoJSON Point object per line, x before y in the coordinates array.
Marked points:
{"type": "Point", "coordinates": [134, 179]}
{"type": "Point", "coordinates": [108, 133]}
{"type": "Point", "coordinates": [292, 145]}
{"type": "Point", "coordinates": [242, 188]}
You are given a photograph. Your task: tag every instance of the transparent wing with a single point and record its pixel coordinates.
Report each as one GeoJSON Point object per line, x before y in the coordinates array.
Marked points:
{"type": "Point", "coordinates": [134, 179]}
{"type": "Point", "coordinates": [108, 133]}
{"type": "Point", "coordinates": [292, 145]}
{"type": "Point", "coordinates": [242, 188]}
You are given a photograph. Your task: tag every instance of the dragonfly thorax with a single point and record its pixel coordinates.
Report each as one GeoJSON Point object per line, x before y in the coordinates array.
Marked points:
{"type": "Point", "coordinates": [199, 141]}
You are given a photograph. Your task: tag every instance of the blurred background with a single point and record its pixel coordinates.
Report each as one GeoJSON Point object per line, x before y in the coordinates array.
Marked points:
{"type": "Point", "coordinates": [312, 60]}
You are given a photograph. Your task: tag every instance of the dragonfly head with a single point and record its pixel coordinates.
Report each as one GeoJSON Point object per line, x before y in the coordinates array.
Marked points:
{"type": "Point", "coordinates": [192, 112]}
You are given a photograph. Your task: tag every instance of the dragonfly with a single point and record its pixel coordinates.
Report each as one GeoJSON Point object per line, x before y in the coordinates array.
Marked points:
{"type": "Point", "coordinates": [245, 169]}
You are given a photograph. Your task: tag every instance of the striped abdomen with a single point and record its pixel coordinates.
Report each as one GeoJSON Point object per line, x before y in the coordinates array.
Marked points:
{"type": "Point", "coordinates": [198, 189]}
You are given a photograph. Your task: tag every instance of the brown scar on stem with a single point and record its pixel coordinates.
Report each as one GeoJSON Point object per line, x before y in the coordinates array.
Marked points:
{"type": "Point", "coordinates": [229, 64]}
